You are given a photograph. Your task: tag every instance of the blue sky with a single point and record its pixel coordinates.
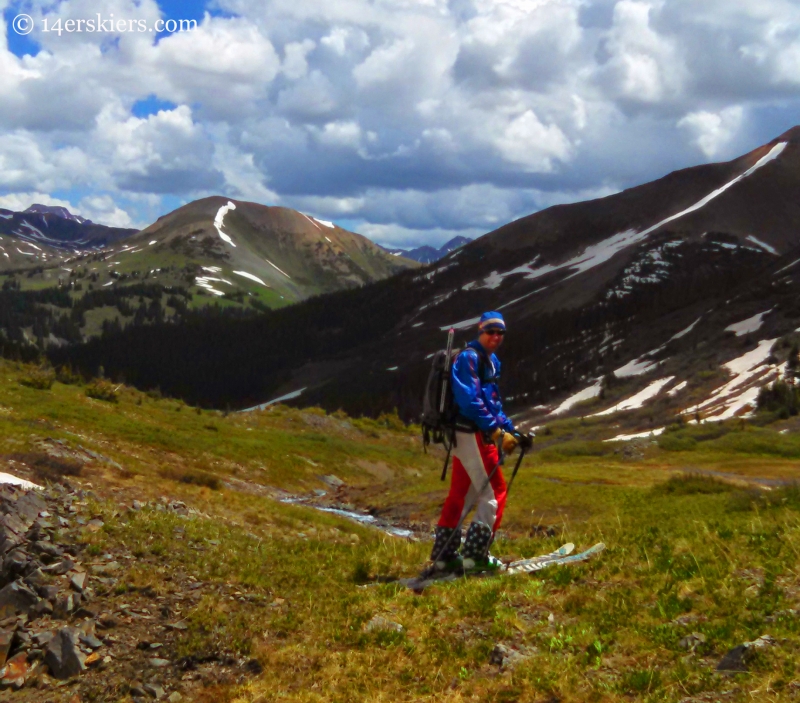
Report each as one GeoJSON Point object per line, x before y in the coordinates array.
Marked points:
{"type": "Point", "coordinates": [408, 122]}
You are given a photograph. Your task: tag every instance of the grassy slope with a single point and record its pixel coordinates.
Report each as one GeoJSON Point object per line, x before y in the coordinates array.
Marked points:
{"type": "Point", "coordinates": [683, 555]}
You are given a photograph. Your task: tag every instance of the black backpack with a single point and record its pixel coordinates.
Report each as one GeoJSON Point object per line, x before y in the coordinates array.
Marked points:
{"type": "Point", "coordinates": [439, 409]}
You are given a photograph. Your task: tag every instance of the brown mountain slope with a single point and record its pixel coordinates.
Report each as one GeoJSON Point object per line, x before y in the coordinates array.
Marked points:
{"type": "Point", "coordinates": [260, 247]}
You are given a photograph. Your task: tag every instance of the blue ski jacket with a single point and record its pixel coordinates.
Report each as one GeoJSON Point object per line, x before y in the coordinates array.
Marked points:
{"type": "Point", "coordinates": [475, 389]}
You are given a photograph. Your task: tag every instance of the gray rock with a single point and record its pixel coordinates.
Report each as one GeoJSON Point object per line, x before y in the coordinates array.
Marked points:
{"type": "Point", "coordinates": [155, 690]}
{"type": "Point", "coordinates": [17, 598]}
{"type": "Point", "coordinates": [63, 657]}
{"type": "Point", "coordinates": [94, 524]}
{"type": "Point", "coordinates": [738, 658]}
{"type": "Point", "coordinates": [91, 641]}
{"type": "Point", "coordinates": [158, 663]}
{"type": "Point", "coordinates": [60, 567]}
{"type": "Point", "coordinates": [78, 580]}
{"type": "Point", "coordinates": [499, 654]}
{"type": "Point", "coordinates": [43, 638]}
{"type": "Point", "coordinates": [175, 697]}
{"type": "Point", "coordinates": [49, 593]}
{"type": "Point", "coordinates": [51, 550]}
{"type": "Point", "coordinates": [15, 562]}
{"type": "Point", "coordinates": [8, 538]}
{"type": "Point", "coordinates": [506, 658]}
{"type": "Point", "coordinates": [332, 481]}
{"type": "Point", "coordinates": [380, 623]}
{"type": "Point", "coordinates": [43, 607]}
{"type": "Point", "coordinates": [66, 605]}
{"type": "Point", "coordinates": [35, 579]}
{"type": "Point", "coordinates": [84, 612]}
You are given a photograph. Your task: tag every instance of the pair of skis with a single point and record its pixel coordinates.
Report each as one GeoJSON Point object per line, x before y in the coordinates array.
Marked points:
{"type": "Point", "coordinates": [562, 555]}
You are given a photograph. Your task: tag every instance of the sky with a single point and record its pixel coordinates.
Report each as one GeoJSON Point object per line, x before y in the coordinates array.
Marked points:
{"type": "Point", "coordinates": [409, 121]}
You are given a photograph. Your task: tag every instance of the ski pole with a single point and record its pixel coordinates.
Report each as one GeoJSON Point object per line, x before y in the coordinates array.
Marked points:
{"type": "Point", "coordinates": [514, 473]}
{"type": "Point", "coordinates": [523, 449]}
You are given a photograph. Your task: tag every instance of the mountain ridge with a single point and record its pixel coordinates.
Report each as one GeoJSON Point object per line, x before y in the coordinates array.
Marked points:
{"type": "Point", "coordinates": [578, 307]}
{"type": "Point", "coordinates": [426, 254]}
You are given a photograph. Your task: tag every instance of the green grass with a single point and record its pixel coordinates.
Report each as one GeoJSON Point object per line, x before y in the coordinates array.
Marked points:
{"type": "Point", "coordinates": [687, 551]}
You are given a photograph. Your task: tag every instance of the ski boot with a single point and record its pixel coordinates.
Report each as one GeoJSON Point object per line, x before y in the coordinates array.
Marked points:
{"type": "Point", "coordinates": [444, 555]}
{"type": "Point", "coordinates": [476, 550]}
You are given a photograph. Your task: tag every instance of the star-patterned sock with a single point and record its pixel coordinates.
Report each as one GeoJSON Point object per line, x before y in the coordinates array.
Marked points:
{"type": "Point", "coordinates": [440, 552]}
{"type": "Point", "coordinates": [477, 541]}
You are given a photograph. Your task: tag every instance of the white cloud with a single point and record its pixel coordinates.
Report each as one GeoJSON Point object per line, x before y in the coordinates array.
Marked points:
{"type": "Point", "coordinates": [22, 201]}
{"type": "Point", "coordinates": [104, 210]}
{"type": "Point", "coordinates": [713, 131]}
{"type": "Point", "coordinates": [643, 65]}
{"type": "Point", "coordinates": [162, 152]}
{"type": "Point", "coordinates": [340, 40]}
{"type": "Point", "coordinates": [435, 116]}
{"type": "Point", "coordinates": [527, 142]}
{"type": "Point", "coordinates": [295, 64]}
{"type": "Point", "coordinates": [345, 133]}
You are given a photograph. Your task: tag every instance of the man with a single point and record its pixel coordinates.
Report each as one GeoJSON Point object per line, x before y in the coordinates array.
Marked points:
{"type": "Point", "coordinates": [480, 426]}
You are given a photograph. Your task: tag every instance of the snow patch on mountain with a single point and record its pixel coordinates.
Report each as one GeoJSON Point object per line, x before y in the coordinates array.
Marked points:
{"type": "Point", "coordinates": [522, 297]}
{"type": "Point", "coordinates": [325, 223]}
{"type": "Point", "coordinates": [219, 220]}
{"type": "Point", "coordinates": [636, 367]}
{"type": "Point", "coordinates": [750, 372]}
{"type": "Point", "coordinates": [763, 245]}
{"type": "Point", "coordinates": [288, 396]}
{"type": "Point", "coordinates": [251, 277]}
{"type": "Point", "coordinates": [638, 435]}
{"type": "Point", "coordinates": [277, 269]}
{"type": "Point", "coordinates": [686, 331]}
{"type": "Point", "coordinates": [586, 394]}
{"type": "Point", "coordinates": [310, 219]}
{"type": "Point", "coordinates": [638, 400]}
{"type": "Point", "coordinates": [751, 324]}
{"type": "Point", "coordinates": [677, 389]}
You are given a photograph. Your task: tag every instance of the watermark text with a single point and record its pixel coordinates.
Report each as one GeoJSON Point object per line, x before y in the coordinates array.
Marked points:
{"type": "Point", "coordinates": [25, 24]}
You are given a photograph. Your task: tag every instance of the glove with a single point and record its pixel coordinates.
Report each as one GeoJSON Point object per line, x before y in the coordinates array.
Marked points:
{"type": "Point", "coordinates": [504, 439]}
{"type": "Point", "coordinates": [509, 443]}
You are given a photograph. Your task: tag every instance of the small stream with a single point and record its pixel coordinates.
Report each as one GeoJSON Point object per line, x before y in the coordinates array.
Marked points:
{"type": "Point", "coordinates": [362, 518]}
{"type": "Point", "coordinates": [760, 481]}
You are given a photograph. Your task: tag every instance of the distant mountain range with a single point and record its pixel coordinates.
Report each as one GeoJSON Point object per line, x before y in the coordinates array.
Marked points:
{"type": "Point", "coordinates": [668, 280]}
{"type": "Point", "coordinates": [57, 211]}
{"type": "Point", "coordinates": [427, 254]}
{"type": "Point", "coordinates": [44, 236]}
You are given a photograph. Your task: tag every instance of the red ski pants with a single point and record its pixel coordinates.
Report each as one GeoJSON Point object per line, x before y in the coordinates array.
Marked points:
{"type": "Point", "coordinates": [473, 460]}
